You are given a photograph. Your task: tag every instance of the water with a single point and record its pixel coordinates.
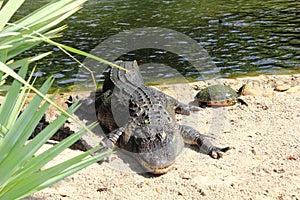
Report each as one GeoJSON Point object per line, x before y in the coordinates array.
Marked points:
{"type": "Point", "coordinates": [246, 37]}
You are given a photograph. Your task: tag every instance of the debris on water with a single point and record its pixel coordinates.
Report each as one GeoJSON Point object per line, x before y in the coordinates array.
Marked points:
{"type": "Point", "coordinates": [39, 74]}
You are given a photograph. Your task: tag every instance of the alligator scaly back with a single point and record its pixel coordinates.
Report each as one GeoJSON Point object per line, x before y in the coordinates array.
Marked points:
{"type": "Point", "coordinates": [142, 121]}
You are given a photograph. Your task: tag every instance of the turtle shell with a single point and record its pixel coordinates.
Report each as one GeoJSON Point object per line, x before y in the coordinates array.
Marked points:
{"type": "Point", "coordinates": [217, 95]}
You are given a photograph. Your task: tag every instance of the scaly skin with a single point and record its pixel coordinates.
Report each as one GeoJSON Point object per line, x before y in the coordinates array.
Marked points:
{"type": "Point", "coordinates": [141, 120]}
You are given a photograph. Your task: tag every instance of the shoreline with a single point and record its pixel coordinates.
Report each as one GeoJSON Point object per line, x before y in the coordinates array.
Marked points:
{"type": "Point", "coordinates": [263, 164]}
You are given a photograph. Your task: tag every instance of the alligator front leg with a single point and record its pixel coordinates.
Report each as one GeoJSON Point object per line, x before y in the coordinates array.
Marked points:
{"type": "Point", "coordinates": [193, 137]}
{"type": "Point", "coordinates": [181, 108]}
{"type": "Point", "coordinates": [113, 137]}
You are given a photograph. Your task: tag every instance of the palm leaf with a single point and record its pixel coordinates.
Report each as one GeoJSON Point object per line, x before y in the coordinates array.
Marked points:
{"type": "Point", "coordinates": [9, 10]}
{"type": "Point", "coordinates": [21, 169]}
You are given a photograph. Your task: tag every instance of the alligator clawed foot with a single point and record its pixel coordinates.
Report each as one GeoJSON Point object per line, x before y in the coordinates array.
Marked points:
{"type": "Point", "coordinates": [194, 108]}
{"type": "Point", "coordinates": [186, 110]}
{"type": "Point", "coordinates": [217, 152]}
{"type": "Point", "coordinates": [103, 150]}
{"type": "Point", "coordinates": [107, 146]}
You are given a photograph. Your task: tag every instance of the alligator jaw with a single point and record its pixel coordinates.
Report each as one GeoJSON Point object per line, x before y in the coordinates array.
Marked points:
{"type": "Point", "coordinates": [156, 169]}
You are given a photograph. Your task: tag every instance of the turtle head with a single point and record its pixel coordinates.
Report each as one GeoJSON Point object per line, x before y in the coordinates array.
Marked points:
{"type": "Point", "coordinates": [241, 90]}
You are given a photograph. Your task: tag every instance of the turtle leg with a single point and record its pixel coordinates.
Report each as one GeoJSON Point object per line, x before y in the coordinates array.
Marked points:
{"type": "Point", "coordinates": [242, 102]}
{"type": "Point", "coordinates": [193, 137]}
{"type": "Point", "coordinates": [202, 105]}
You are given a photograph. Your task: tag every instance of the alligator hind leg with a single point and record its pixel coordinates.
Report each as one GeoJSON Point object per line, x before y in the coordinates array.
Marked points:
{"type": "Point", "coordinates": [193, 137]}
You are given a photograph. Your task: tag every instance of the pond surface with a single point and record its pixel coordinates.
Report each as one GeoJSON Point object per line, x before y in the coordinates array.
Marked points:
{"type": "Point", "coordinates": [245, 37]}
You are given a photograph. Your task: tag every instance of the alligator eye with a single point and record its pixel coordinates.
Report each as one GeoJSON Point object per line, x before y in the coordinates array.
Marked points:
{"type": "Point", "coordinates": [147, 121]}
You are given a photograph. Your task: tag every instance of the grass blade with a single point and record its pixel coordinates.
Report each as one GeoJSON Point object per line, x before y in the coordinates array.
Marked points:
{"type": "Point", "coordinates": [46, 13]}
{"type": "Point", "coordinates": [16, 64]}
{"type": "Point", "coordinates": [44, 178]}
{"type": "Point", "coordinates": [10, 72]}
{"type": "Point", "coordinates": [8, 11]}
{"type": "Point", "coordinates": [19, 133]}
{"type": "Point", "coordinates": [7, 106]}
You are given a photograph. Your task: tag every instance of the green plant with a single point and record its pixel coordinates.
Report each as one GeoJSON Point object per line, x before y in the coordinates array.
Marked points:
{"type": "Point", "coordinates": [22, 169]}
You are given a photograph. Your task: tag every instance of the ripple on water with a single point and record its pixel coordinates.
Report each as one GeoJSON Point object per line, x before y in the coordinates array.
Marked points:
{"type": "Point", "coordinates": [260, 36]}
{"type": "Point", "coordinates": [266, 61]}
{"type": "Point", "coordinates": [251, 57]}
{"type": "Point", "coordinates": [58, 76]}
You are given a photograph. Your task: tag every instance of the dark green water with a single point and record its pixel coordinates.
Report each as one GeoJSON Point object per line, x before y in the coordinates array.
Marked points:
{"type": "Point", "coordinates": [246, 37]}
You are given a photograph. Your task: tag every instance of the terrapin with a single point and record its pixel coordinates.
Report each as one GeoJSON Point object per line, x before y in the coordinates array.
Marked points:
{"type": "Point", "coordinates": [219, 95]}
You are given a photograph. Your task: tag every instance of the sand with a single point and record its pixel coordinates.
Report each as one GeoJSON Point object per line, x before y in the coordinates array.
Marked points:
{"type": "Point", "coordinates": [263, 164]}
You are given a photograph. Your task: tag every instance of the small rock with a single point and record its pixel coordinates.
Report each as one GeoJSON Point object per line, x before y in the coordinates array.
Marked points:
{"type": "Point", "coordinates": [140, 185]}
{"type": "Point", "coordinates": [196, 87]}
{"type": "Point", "coordinates": [263, 107]}
{"type": "Point", "coordinates": [104, 189]}
{"type": "Point", "coordinates": [253, 151]}
{"type": "Point", "coordinates": [158, 190]}
{"type": "Point", "coordinates": [279, 171]}
{"type": "Point", "coordinates": [179, 194]}
{"type": "Point", "coordinates": [185, 176]}
{"type": "Point", "coordinates": [282, 88]}
{"type": "Point", "coordinates": [280, 198]}
{"type": "Point", "coordinates": [290, 157]}
{"type": "Point", "coordinates": [201, 192]}
{"type": "Point", "coordinates": [124, 176]}
{"type": "Point", "coordinates": [146, 182]}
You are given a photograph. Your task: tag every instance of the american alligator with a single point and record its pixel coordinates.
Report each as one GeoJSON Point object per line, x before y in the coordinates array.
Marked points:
{"type": "Point", "coordinates": [141, 120]}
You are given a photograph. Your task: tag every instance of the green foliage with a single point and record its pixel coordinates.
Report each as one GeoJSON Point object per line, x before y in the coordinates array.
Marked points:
{"type": "Point", "coordinates": [22, 168]}
{"type": "Point", "coordinates": [13, 35]}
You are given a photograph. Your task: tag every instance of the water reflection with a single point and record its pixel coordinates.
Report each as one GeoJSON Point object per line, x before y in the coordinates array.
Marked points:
{"type": "Point", "coordinates": [242, 37]}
